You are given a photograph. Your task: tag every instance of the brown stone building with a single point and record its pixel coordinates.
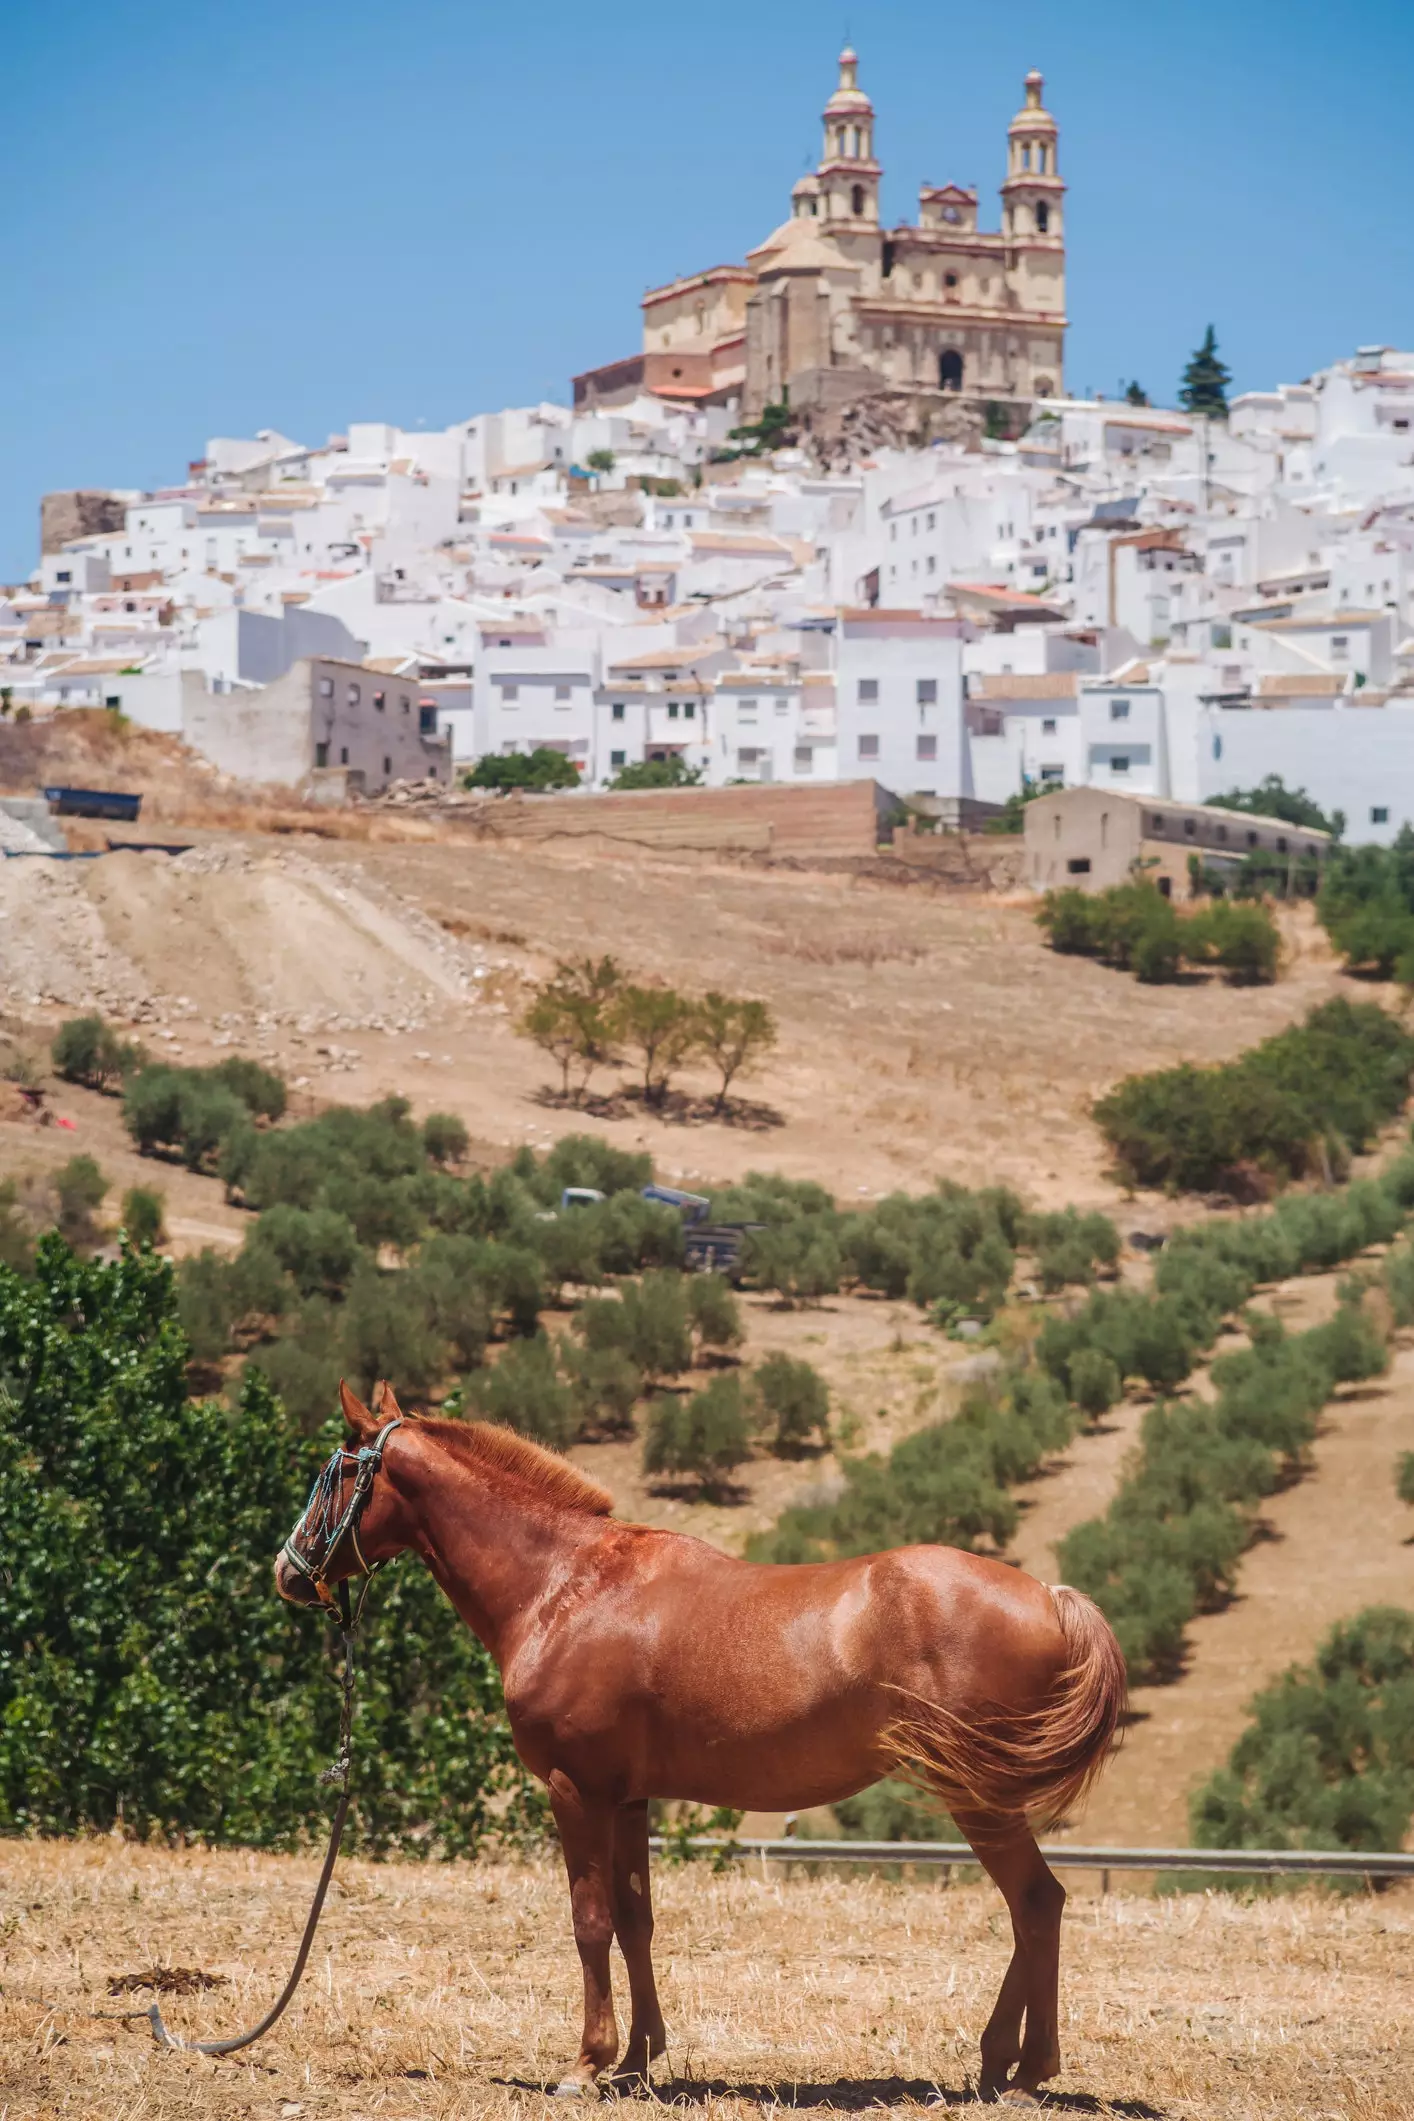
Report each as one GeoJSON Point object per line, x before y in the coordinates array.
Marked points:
{"type": "Point", "coordinates": [834, 306]}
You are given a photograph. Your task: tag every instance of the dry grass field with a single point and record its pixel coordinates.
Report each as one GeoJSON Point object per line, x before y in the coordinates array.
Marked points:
{"type": "Point", "coordinates": [453, 1990]}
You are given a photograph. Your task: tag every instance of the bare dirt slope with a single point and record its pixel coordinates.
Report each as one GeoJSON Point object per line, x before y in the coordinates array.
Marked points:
{"type": "Point", "coordinates": [443, 1990]}
{"type": "Point", "coordinates": [923, 1034]}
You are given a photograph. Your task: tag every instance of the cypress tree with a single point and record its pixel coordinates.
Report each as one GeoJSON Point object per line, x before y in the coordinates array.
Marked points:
{"type": "Point", "coordinates": [1205, 380]}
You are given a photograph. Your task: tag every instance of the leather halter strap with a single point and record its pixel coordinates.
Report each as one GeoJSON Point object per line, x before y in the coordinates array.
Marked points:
{"type": "Point", "coordinates": [366, 1460]}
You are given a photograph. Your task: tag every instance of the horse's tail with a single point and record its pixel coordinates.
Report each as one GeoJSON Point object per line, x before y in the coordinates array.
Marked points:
{"type": "Point", "coordinates": [1038, 1763]}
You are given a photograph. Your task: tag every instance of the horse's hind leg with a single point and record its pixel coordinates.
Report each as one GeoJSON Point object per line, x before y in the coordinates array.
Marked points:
{"type": "Point", "coordinates": [633, 1925]}
{"type": "Point", "coordinates": [1035, 1898]}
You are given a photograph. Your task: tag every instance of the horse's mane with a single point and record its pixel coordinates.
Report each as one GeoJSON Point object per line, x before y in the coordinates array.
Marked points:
{"type": "Point", "coordinates": [534, 1470]}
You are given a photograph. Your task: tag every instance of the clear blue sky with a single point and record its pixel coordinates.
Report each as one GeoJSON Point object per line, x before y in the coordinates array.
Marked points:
{"type": "Point", "coordinates": [229, 216]}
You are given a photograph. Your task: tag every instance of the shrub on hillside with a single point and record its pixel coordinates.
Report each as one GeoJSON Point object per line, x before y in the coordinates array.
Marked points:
{"type": "Point", "coordinates": [1135, 927]}
{"type": "Point", "coordinates": [606, 1385]}
{"type": "Point", "coordinates": [1070, 1246]}
{"type": "Point", "coordinates": [1366, 905]}
{"type": "Point", "coordinates": [1169, 1544]}
{"type": "Point", "coordinates": [144, 1220]}
{"type": "Point", "coordinates": [1242, 940]}
{"type": "Point", "coordinates": [524, 1390]}
{"type": "Point", "coordinates": [707, 1436]}
{"type": "Point", "coordinates": [1404, 1477]}
{"type": "Point", "coordinates": [946, 1484]}
{"type": "Point", "coordinates": [893, 1811]}
{"type": "Point", "coordinates": [714, 1311]}
{"type": "Point", "coordinates": [1094, 1381]}
{"type": "Point", "coordinates": [1321, 1088]}
{"type": "Point", "coordinates": [798, 1260]}
{"type": "Point", "coordinates": [89, 1051]}
{"type": "Point", "coordinates": [647, 1322]}
{"type": "Point", "coordinates": [445, 1138]}
{"type": "Point", "coordinates": [794, 1402]}
{"type": "Point", "coordinates": [316, 1247]}
{"type": "Point", "coordinates": [1327, 1760]}
{"type": "Point", "coordinates": [198, 1110]}
{"type": "Point", "coordinates": [79, 1188]}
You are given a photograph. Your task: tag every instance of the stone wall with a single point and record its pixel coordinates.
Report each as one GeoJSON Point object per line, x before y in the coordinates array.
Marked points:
{"type": "Point", "coordinates": [78, 515]}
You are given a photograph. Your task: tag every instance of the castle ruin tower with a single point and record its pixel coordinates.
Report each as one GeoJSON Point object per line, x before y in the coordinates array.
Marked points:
{"type": "Point", "coordinates": [1034, 229]}
{"type": "Point", "coordinates": [847, 179]}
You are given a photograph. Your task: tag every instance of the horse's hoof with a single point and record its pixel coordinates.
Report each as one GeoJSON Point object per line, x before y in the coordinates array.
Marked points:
{"type": "Point", "coordinates": [575, 2088]}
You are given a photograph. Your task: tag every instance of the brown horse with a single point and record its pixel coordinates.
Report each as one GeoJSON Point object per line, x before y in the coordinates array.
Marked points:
{"type": "Point", "coordinates": [640, 1664]}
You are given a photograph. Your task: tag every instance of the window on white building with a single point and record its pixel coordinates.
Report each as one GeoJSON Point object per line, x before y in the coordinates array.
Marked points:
{"type": "Point", "coordinates": [926, 692]}
{"type": "Point", "coordinates": [405, 703]}
{"type": "Point", "coordinates": [1052, 776]}
{"type": "Point", "coordinates": [354, 695]}
{"type": "Point", "coordinates": [1120, 762]}
{"type": "Point", "coordinates": [1340, 644]}
{"type": "Point", "coordinates": [1379, 815]}
{"type": "Point", "coordinates": [387, 767]}
{"type": "Point", "coordinates": [689, 711]}
{"type": "Point", "coordinates": [746, 711]}
{"type": "Point", "coordinates": [616, 712]}
{"type": "Point", "coordinates": [509, 693]}
{"type": "Point", "coordinates": [868, 747]}
{"type": "Point", "coordinates": [326, 688]}
{"type": "Point", "coordinates": [562, 692]}
{"type": "Point", "coordinates": [1048, 727]}
{"type": "Point", "coordinates": [804, 758]}
{"type": "Point", "coordinates": [927, 747]}
{"type": "Point", "coordinates": [868, 691]}
{"type": "Point", "coordinates": [932, 563]}
{"type": "Point", "coordinates": [380, 701]}
{"type": "Point", "coordinates": [617, 758]}
{"type": "Point", "coordinates": [1119, 710]}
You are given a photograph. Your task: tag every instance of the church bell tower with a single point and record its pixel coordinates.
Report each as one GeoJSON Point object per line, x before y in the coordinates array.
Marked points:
{"type": "Point", "coordinates": [848, 175]}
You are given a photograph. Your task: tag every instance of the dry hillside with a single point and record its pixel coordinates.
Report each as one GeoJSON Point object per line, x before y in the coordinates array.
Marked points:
{"type": "Point", "coordinates": [924, 1034]}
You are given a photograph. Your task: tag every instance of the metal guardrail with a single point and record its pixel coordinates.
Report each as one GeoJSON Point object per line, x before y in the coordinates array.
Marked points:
{"type": "Point", "coordinates": [1260, 1863]}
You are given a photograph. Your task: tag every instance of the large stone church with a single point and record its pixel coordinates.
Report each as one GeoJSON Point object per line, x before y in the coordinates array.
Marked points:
{"type": "Point", "coordinates": [834, 307]}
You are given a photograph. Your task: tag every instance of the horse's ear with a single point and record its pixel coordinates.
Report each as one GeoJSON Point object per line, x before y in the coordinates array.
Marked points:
{"type": "Point", "coordinates": [356, 1413]}
{"type": "Point", "coordinates": [385, 1404]}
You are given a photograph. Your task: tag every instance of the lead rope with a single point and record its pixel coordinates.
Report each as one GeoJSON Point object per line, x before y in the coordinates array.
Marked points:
{"type": "Point", "coordinates": [335, 1776]}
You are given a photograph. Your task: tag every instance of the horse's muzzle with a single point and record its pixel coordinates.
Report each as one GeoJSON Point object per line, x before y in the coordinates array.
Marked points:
{"type": "Point", "coordinates": [293, 1585]}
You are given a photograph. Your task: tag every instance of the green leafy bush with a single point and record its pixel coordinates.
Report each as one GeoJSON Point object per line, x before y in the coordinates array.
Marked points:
{"type": "Point", "coordinates": [148, 1675]}
{"type": "Point", "coordinates": [707, 1436]}
{"type": "Point", "coordinates": [199, 1110]}
{"type": "Point", "coordinates": [144, 1216]}
{"type": "Point", "coordinates": [1135, 927]}
{"type": "Point", "coordinates": [647, 1322]}
{"type": "Point", "coordinates": [1241, 939]}
{"type": "Point", "coordinates": [945, 1484]}
{"type": "Point", "coordinates": [1404, 1477]}
{"type": "Point", "coordinates": [89, 1051]}
{"type": "Point", "coordinates": [1328, 1758]}
{"type": "Point", "coordinates": [1366, 905]}
{"type": "Point", "coordinates": [525, 1391]}
{"type": "Point", "coordinates": [537, 771]}
{"type": "Point", "coordinates": [1094, 1380]}
{"type": "Point", "coordinates": [1169, 1545]}
{"type": "Point", "coordinates": [445, 1138]}
{"type": "Point", "coordinates": [714, 1311]}
{"type": "Point", "coordinates": [1070, 1246]}
{"type": "Point", "coordinates": [794, 1401]}
{"type": "Point", "coordinates": [80, 1188]}
{"type": "Point", "coordinates": [1320, 1089]}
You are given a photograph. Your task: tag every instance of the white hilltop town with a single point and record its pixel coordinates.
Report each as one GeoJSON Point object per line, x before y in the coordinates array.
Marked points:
{"type": "Point", "coordinates": [926, 566]}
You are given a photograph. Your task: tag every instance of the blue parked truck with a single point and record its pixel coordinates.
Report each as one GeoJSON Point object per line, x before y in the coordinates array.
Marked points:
{"type": "Point", "coordinates": [708, 1247]}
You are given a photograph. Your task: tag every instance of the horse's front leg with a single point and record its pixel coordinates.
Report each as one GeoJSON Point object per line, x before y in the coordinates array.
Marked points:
{"type": "Point", "coordinates": [587, 1837]}
{"type": "Point", "coordinates": [633, 1924]}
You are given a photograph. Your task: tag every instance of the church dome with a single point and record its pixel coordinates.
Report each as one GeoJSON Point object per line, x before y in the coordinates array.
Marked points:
{"type": "Point", "coordinates": [849, 99]}
{"type": "Point", "coordinates": [1032, 114]}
